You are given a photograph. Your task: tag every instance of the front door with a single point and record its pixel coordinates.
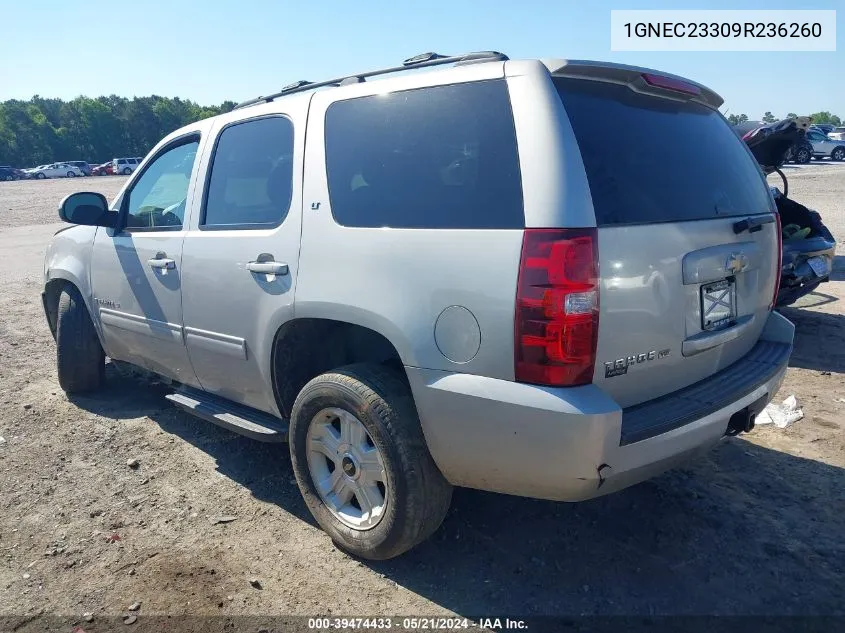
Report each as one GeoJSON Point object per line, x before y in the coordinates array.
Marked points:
{"type": "Point", "coordinates": [136, 268]}
{"type": "Point", "coordinates": [241, 255]}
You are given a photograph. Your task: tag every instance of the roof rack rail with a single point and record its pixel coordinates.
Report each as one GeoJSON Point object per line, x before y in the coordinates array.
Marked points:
{"type": "Point", "coordinates": [418, 61]}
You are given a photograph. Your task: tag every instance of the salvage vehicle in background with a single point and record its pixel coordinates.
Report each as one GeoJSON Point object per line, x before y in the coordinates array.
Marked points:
{"type": "Point", "coordinates": [825, 147]}
{"type": "Point", "coordinates": [84, 167]}
{"type": "Point", "coordinates": [9, 173]}
{"type": "Point", "coordinates": [838, 134]}
{"type": "Point", "coordinates": [106, 169]}
{"type": "Point", "coordinates": [54, 170]}
{"type": "Point", "coordinates": [467, 277]}
{"type": "Point", "coordinates": [808, 245]}
{"type": "Point", "coordinates": [125, 166]}
{"type": "Point", "coordinates": [801, 152]}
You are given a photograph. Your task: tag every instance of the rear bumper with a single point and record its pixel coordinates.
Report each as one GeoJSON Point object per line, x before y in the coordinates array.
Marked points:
{"type": "Point", "coordinates": [564, 444]}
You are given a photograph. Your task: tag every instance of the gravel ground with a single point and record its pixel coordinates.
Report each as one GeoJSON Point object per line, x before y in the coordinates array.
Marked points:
{"type": "Point", "coordinates": [28, 202]}
{"type": "Point", "coordinates": [755, 527]}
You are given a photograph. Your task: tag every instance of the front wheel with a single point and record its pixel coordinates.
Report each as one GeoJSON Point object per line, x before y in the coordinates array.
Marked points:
{"type": "Point", "coordinates": [41, 176]}
{"type": "Point", "coordinates": [362, 464]}
{"type": "Point", "coordinates": [70, 174]}
{"type": "Point", "coordinates": [127, 171]}
{"type": "Point", "coordinates": [838, 153]}
{"type": "Point", "coordinates": [803, 156]}
{"type": "Point", "coordinates": [80, 361]}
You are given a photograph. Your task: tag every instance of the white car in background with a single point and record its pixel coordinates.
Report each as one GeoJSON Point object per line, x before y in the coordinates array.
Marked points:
{"type": "Point", "coordinates": [824, 146]}
{"type": "Point", "coordinates": [838, 134]}
{"type": "Point", "coordinates": [54, 170]}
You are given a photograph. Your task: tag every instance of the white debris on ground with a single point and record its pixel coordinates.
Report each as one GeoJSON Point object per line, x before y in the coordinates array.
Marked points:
{"type": "Point", "coordinates": [781, 415]}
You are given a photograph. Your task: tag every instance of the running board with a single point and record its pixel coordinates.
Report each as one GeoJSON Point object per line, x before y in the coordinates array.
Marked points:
{"type": "Point", "coordinates": [243, 420]}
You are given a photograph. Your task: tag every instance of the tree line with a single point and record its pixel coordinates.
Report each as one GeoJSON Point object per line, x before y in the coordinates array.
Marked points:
{"type": "Point", "coordinates": [768, 117]}
{"type": "Point", "coordinates": [41, 130]}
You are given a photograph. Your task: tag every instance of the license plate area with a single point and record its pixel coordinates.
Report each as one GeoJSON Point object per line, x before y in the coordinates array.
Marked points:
{"type": "Point", "coordinates": [718, 304]}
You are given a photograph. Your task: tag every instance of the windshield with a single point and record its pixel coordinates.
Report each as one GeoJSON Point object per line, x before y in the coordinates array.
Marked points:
{"type": "Point", "coordinates": [650, 159]}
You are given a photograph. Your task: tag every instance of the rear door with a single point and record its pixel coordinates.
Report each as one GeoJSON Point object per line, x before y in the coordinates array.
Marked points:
{"type": "Point", "coordinates": [685, 289]}
{"type": "Point", "coordinates": [240, 257]}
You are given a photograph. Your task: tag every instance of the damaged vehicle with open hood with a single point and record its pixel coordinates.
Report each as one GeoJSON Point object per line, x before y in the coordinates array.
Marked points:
{"type": "Point", "coordinates": [808, 246]}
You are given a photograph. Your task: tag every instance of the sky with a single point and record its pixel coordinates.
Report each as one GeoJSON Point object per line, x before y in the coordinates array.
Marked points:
{"type": "Point", "coordinates": [217, 50]}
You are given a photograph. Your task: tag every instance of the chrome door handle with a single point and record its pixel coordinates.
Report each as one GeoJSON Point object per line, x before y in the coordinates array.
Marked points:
{"type": "Point", "coordinates": [268, 268]}
{"type": "Point", "coordinates": [167, 264]}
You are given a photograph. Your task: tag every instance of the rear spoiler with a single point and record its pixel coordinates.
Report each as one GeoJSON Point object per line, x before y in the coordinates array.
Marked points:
{"type": "Point", "coordinates": [643, 80]}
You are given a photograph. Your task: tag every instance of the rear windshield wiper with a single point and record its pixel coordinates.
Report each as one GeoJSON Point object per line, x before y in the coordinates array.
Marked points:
{"type": "Point", "coordinates": [752, 225]}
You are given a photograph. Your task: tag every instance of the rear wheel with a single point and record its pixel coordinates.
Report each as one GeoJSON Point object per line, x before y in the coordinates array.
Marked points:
{"type": "Point", "coordinates": [80, 361]}
{"type": "Point", "coordinates": [362, 464]}
{"type": "Point", "coordinates": [70, 174]}
{"type": "Point", "coordinates": [126, 171]}
{"type": "Point", "coordinates": [838, 153]}
{"type": "Point", "coordinates": [9, 178]}
{"type": "Point", "coordinates": [40, 176]}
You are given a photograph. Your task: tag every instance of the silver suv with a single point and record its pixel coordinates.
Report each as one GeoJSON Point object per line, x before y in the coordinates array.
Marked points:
{"type": "Point", "coordinates": [506, 275]}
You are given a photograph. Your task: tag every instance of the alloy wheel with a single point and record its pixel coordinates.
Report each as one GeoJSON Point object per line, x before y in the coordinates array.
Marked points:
{"type": "Point", "coordinates": [347, 468]}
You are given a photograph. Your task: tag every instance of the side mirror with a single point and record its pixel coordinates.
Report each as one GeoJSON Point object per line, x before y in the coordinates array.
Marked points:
{"type": "Point", "coordinates": [88, 208]}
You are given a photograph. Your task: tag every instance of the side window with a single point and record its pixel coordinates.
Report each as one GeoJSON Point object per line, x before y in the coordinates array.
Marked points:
{"type": "Point", "coordinates": [157, 198]}
{"type": "Point", "coordinates": [251, 180]}
{"type": "Point", "coordinates": [442, 157]}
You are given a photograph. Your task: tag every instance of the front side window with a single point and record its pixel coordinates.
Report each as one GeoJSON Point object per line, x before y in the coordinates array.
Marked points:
{"type": "Point", "coordinates": [443, 157]}
{"type": "Point", "coordinates": [158, 197]}
{"type": "Point", "coordinates": [251, 181]}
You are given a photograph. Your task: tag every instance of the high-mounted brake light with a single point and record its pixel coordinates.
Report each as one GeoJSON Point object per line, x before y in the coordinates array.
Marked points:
{"type": "Point", "coordinates": [557, 307]}
{"type": "Point", "coordinates": [779, 262]}
{"type": "Point", "coordinates": [670, 83]}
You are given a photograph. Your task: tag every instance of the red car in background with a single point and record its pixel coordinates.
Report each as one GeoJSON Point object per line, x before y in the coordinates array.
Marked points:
{"type": "Point", "coordinates": [106, 169]}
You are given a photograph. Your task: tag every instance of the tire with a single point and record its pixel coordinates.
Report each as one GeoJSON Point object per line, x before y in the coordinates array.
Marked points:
{"type": "Point", "coordinates": [126, 171]}
{"type": "Point", "coordinates": [40, 176]}
{"type": "Point", "coordinates": [803, 155]}
{"type": "Point", "coordinates": [9, 178]}
{"type": "Point", "coordinates": [415, 494]}
{"type": "Point", "coordinates": [80, 361]}
{"type": "Point", "coordinates": [70, 174]}
{"type": "Point", "coordinates": [838, 153]}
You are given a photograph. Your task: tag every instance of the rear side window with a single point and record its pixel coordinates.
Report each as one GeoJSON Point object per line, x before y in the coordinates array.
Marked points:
{"type": "Point", "coordinates": [650, 159]}
{"type": "Point", "coordinates": [251, 179]}
{"type": "Point", "coordinates": [442, 157]}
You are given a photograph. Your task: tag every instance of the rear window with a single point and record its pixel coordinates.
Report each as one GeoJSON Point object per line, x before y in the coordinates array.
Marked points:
{"type": "Point", "coordinates": [441, 157]}
{"type": "Point", "coordinates": [652, 160]}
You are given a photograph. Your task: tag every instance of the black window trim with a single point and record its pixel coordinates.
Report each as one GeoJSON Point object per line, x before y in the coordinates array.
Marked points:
{"type": "Point", "coordinates": [184, 139]}
{"type": "Point", "coordinates": [201, 225]}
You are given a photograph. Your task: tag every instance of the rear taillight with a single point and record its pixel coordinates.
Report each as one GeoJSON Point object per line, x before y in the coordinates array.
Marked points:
{"type": "Point", "coordinates": [557, 307]}
{"type": "Point", "coordinates": [779, 262]}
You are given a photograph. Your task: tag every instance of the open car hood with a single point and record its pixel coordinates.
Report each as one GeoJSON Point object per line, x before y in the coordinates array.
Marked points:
{"type": "Point", "coordinates": [770, 143]}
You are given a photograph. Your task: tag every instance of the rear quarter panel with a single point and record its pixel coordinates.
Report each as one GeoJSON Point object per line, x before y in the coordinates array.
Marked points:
{"type": "Point", "coordinates": [398, 282]}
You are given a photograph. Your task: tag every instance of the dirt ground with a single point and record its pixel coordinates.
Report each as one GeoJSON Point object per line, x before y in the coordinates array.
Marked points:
{"type": "Point", "coordinates": [756, 527]}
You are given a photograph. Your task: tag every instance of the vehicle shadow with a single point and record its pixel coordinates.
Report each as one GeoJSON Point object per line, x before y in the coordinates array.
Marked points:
{"type": "Point", "coordinates": [263, 468]}
{"type": "Point", "coordinates": [818, 339]}
{"type": "Point", "coordinates": [744, 530]}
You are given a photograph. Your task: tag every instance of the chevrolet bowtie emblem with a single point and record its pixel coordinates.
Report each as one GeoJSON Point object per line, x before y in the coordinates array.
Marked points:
{"type": "Point", "coordinates": [736, 263]}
